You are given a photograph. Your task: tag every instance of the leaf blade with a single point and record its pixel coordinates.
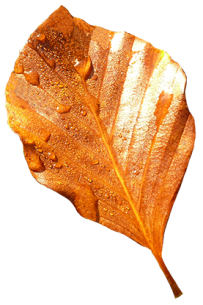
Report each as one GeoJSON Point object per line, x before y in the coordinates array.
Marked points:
{"type": "Point", "coordinates": [70, 105]}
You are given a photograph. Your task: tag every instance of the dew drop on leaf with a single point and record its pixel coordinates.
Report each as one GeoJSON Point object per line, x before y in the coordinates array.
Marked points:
{"type": "Point", "coordinates": [94, 77]}
{"type": "Point", "coordinates": [41, 37]}
{"type": "Point", "coordinates": [84, 67]}
{"type": "Point", "coordinates": [18, 68]}
{"type": "Point", "coordinates": [51, 156]}
{"type": "Point", "coordinates": [44, 135]}
{"type": "Point", "coordinates": [58, 165]}
{"type": "Point", "coordinates": [63, 109]}
{"type": "Point", "coordinates": [95, 162]}
{"type": "Point", "coordinates": [34, 162]}
{"type": "Point", "coordinates": [28, 141]}
{"type": "Point", "coordinates": [51, 62]}
{"type": "Point", "coordinates": [32, 78]}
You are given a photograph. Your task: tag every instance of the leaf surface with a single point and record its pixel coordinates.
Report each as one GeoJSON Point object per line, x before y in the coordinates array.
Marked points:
{"type": "Point", "coordinates": [104, 122]}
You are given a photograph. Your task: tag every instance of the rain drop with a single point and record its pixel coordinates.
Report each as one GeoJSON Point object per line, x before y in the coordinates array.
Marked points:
{"type": "Point", "coordinates": [18, 69]}
{"type": "Point", "coordinates": [52, 156]}
{"type": "Point", "coordinates": [58, 165]}
{"type": "Point", "coordinates": [32, 78]}
{"type": "Point", "coordinates": [28, 141]}
{"type": "Point", "coordinates": [50, 62]}
{"type": "Point", "coordinates": [44, 135]}
{"type": "Point", "coordinates": [63, 109]}
{"type": "Point", "coordinates": [95, 162]}
{"type": "Point", "coordinates": [94, 77]}
{"type": "Point", "coordinates": [34, 162]}
{"type": "Point", "coordinates": [41, 37]}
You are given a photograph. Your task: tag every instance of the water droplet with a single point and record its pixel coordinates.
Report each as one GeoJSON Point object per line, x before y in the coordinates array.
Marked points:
{"type": "Point", "coordinates": [30, 44]}
{"type": "Point", "coordinates": [137, 172]}
{"type": "Point", "coordinates": [111, 214]}
{"type": "Point", "coordinates": [40, 150]}
{"type": "Point", "coordinates": [44, 135]}
{"type": "Point", "coordinates": [84, 113]}
{"type": "Point", "coordinates": [58, 165]}
{"type": "Point", "coordinates": [63, 109]}
{"type": "Point", "coordinates": [94, 77]}
{"type": "Point", "coordinates": [32, 78]}
{"type": "Point", "coordinates": [34, 162]}
{"type": "Point", "coordinates": [84, 67]}
{"type": "Point", "coordinates": [105, 210]}
{"type": "Point", "coordinates": [89, 180]}
{"type": "Point", "coordinates": [52, 156]}
{"type": "Point", "coordinates": [41, 37]}
{"type": "Point", "coordinates": [28, 141]}
{"type": "Point", "coordinates": [18, 69]}
{"type": "Point", "coordinates": [95, 162]}
{"type": "Point", "coordinates": [66, 126]}
{"type": "Point", "coordinates": [50, 62]}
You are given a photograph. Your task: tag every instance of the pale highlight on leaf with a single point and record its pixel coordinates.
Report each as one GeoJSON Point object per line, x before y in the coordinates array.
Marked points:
{"type": "Point", "coordinates": [104, 122]}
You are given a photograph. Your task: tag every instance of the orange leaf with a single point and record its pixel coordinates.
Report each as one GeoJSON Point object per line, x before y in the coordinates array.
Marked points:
{"type": "Point", "coordinates": [104, 122]}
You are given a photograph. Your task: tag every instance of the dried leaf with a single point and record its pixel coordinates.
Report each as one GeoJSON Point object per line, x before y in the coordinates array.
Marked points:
{"type": "Point", "coordinates": [104, 122]}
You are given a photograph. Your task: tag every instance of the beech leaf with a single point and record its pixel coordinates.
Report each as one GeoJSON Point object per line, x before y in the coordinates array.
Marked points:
{"type": "Point", "coordinates": [104, 122]}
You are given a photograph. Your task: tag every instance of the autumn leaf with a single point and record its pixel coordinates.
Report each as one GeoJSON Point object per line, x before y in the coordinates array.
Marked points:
{"type": "Point", "coordinates": [104, 122]}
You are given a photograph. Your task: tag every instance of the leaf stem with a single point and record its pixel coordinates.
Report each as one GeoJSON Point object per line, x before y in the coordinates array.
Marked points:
{"type": "Point", "coordinates": [176, 290]}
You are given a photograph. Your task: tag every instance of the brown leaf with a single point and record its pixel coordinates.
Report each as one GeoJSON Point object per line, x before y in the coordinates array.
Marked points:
{"type": "Point", "coordinates": [104, 122]}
